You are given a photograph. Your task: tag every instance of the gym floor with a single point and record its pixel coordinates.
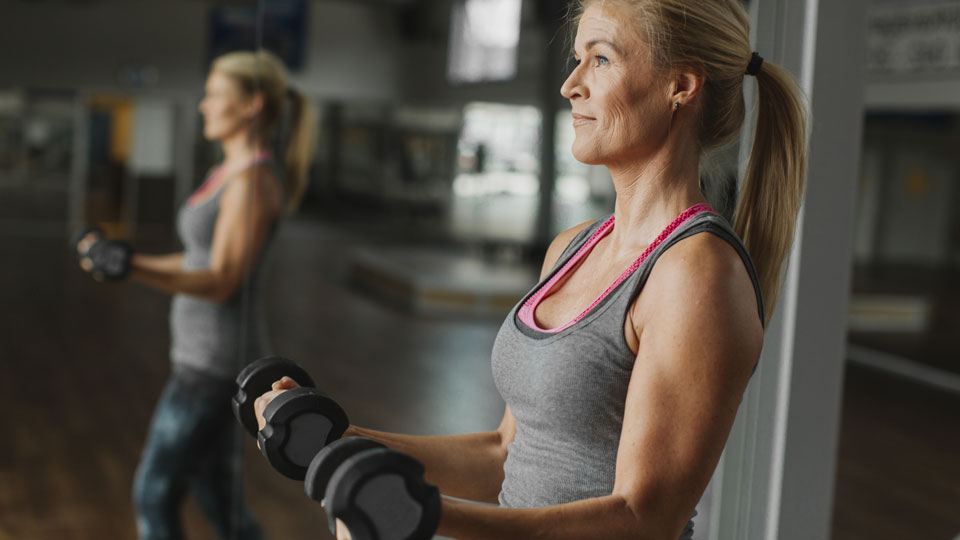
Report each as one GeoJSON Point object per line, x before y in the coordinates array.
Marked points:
{"type": "Point", "coordinates": [84, 363]}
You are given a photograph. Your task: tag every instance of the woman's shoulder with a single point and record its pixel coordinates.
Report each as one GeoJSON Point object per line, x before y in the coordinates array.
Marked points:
{"type": "Point", "coordinates": [701, 272]}
{"type": "Point", "coordinates": [560, 243]}
{"type": "Point", "coordinates": [257, 184]}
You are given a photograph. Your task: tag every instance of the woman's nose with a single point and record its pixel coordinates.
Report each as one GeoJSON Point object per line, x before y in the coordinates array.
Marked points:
{"type": "Point", "coordinates": [572, 87]}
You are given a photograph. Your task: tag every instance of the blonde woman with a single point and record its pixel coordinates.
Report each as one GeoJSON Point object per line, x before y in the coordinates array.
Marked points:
{"type": "Point", "coordinates": [216, 318]}
{"type": "Point", "coordinates": [623, 369]}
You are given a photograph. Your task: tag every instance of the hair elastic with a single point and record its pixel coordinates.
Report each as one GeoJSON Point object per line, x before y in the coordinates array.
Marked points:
{"type": "Point", "coordinates": [754, 66]}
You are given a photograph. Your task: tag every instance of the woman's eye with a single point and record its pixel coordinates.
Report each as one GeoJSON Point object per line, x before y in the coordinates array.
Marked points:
{"type": "Point", "coordinates": [601, 60]}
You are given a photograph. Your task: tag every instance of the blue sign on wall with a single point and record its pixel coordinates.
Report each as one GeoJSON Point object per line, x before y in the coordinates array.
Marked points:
{"type": "Point", "coordinates": [282, 30]}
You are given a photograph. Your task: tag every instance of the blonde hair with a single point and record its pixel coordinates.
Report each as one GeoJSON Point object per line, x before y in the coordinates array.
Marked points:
{"type": "Point", "coordinates": [712, 38]}
{"type": "Point", "coordinates": [261, 72]}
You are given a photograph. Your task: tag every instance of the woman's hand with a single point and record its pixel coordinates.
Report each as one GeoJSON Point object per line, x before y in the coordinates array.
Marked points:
{"type": "Point", "coordinates": [342, 532]}
{"type": "Point", "coordinates": [276, 389]}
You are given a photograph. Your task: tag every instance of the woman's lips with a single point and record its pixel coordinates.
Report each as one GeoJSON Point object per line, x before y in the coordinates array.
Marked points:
{"type": "Point", "coordinates": [581, 119]}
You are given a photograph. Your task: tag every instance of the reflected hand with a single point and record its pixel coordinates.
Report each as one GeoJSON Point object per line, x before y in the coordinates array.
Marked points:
{"type": "Point", "coordinates": [342, 532]}
{"type": "Point", "coordinates": [276, 389]}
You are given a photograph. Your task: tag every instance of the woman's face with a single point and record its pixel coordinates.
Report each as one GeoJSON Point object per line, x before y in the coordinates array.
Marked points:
{"type": "Point", "coordinates": [226, 111]}
{"type": "Point", "coordinates": [621, 109]}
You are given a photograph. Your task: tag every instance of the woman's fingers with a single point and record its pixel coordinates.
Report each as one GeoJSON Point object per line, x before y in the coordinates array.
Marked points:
{"type": "Point", "coordinates": [276, 389]}
{"type": "Point", "coordinates": [286, 383]}
{"type": "Point", "coordinates": [342, 532]}
{"type": "Point", "coordinates": [261, 403]}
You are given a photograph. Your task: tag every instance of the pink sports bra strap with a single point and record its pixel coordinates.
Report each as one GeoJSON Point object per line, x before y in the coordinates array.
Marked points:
{"type": "Point", "coordinates": [527, 310]}
{"type": "Point", "coordinates": [215, 174]}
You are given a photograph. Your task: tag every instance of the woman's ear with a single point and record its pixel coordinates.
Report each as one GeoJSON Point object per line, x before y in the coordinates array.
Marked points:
{"type": "Point", "coordinates": [686, 86]}
{"type": "Point", "coordinates": [255, 105]}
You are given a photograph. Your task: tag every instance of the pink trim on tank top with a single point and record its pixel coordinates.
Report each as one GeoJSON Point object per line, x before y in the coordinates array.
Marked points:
{"type": "Point", "coordinates": [201, 191]}
{"type": "Point", "coordinates": [527, 310]}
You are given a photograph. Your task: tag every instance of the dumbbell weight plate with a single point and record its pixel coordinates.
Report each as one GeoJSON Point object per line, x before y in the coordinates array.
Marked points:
{"type": "Point", "coordinates": [380, 495]}
{"type": "Point", "coordinates": [326, 462]}
{"type": "Point", "coordinates": [298, 424]}
{"type": "Point", "coordinates": [256, 379]}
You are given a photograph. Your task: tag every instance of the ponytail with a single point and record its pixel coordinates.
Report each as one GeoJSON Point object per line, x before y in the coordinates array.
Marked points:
{"type": "Point", "coordinates": [299, 148]}
{"type": "Point", "coordinates": [772, 190]}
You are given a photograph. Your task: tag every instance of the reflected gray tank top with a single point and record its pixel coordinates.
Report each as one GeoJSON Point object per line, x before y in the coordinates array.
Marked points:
{"type": "Point", "coordinates": [567, 389]}
{"type": "Point", "coordinates": [210, 336]}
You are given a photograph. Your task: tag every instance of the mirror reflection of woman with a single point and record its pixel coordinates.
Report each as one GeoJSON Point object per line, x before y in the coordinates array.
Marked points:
{"type": "Point", "coordinates": [623, 369]}
{"type": "Point", "coordinates": [216, 317]}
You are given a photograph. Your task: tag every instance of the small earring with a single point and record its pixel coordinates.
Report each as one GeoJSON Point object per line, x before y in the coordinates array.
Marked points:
{"type": "Point", "coordinates": [676, 105]}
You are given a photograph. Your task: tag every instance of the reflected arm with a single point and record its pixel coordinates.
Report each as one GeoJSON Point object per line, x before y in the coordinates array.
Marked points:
{"type": "Point", "coordinates": [248, 208]}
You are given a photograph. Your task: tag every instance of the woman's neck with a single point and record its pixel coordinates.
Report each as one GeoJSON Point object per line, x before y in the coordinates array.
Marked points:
{"type": "Point", "coordinates": [652, 192]}
{"type": "Point", "coordinates": [238, 150]}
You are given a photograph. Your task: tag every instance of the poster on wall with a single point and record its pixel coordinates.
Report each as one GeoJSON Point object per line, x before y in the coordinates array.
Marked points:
{"type": "Point", "coordinates": [282, 30]}
{"type": "Point", "coordinates": [913, 37]}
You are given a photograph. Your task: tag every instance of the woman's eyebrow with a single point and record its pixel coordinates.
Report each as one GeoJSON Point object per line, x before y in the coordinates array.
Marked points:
{"type": "Point", "coordinates": [590, 44]}
{"type": "Point", "coordinates": [612, 45]}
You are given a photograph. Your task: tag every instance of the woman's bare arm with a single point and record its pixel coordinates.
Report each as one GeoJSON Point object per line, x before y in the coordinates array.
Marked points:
{"type": "Point", "coordinates": [468, 466]}
{"type": "Point", "coordinates": [700, 336]}
{"type": "Point", "coordinates": [248, 208]}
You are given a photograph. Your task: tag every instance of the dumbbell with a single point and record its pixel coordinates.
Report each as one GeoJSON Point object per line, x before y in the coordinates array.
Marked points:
{"type": "Point", "coordinates": [104, 259]}
{"type": "Point", "coordinates": [298, 422]}
{"type": "Point", "coordinates": [378, 493]}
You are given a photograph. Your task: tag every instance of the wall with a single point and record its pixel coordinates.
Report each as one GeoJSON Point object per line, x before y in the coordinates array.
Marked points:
{"type": "Point", "coordinates": [351, 47]}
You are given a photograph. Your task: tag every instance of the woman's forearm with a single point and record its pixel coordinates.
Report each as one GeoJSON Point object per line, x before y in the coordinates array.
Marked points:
{"type": "Point", "coordinates": [166, 273]}
{"type": "Point", "coordinates": [468, 466]}
{"type": "Point", "coordinates": [607, 517]}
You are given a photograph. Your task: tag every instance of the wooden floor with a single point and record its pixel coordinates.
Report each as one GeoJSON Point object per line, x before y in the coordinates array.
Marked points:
{"type": "Point", "coordinates": [83, 363]}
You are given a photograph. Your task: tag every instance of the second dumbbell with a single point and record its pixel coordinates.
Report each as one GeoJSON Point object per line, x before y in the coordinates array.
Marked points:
{"type": "Point", "coordinates": [378, 493]}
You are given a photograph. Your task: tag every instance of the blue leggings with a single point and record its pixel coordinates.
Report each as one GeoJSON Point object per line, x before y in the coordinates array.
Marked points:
{"type": "Point", "coordinates": [190, 447]}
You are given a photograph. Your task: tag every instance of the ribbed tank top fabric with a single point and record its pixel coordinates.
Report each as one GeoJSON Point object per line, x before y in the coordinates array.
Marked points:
{"type": "Point", "coordinates": [209, 336]}
{"type": "Point", "coordinates": [567, 389]}
{"type": "Point", "coordinates": [528, 309]}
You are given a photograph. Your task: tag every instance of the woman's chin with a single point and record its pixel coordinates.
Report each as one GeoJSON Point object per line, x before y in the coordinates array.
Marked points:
{"type": "Point", "coordinates": [586, 156]}
{"type": "Point", "coordinates": [212, 135]}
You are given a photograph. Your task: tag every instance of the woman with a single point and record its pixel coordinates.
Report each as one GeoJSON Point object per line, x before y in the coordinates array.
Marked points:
{"type": "Point", "coordinates": [624, 368]}
{"type": "Point", "coordinates": [216, 318]}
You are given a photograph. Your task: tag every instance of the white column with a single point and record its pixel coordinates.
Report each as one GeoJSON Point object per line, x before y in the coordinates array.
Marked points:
{"type": "Point", "coordinates": [776, 480]}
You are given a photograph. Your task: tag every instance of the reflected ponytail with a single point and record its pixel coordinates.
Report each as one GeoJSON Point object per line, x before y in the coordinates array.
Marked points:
{"type": "Point", "coordinates": [262, 72]}
{"type": "Point", "coordinates": [298, 151]}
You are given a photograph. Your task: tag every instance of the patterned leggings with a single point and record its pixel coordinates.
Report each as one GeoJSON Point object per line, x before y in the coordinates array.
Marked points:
{"type": "Point", "coordinates": [190, 448]}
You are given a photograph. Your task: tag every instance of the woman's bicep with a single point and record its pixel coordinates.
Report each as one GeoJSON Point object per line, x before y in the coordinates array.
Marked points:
{"type": "Point", "coordinates": [248, 209]}
{"type": "Point", "coordinates": [693, 362]}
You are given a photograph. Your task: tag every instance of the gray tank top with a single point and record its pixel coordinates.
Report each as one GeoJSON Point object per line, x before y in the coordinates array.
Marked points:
{"type": "Point", "coordinates": [211, 336]}
{"type": "Point", "coordinates": [567, 390]}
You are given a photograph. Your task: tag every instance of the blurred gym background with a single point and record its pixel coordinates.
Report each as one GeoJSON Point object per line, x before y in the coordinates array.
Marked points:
{"type": "Point", "coordinates": [442, 171]}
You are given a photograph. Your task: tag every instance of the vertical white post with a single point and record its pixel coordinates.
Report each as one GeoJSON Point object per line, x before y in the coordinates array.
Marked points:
{"type": "Point", "coordinates": [776, 479]}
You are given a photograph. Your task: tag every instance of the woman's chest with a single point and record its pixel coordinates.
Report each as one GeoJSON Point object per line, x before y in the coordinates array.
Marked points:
{"type": "Point", "coordinates": [196, 224]}
{"type": "Point", "coordinates": [580, 288]}
{"type": "Point", "coordinates": [541, 378]}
